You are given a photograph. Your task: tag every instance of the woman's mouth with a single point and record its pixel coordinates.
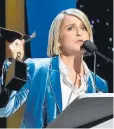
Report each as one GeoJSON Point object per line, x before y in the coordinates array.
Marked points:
{"type": "Point", "coordinates": [79, 42]}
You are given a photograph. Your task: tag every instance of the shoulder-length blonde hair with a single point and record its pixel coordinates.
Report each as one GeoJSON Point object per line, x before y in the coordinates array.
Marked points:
{"type": "Point", "coordinates": [54, 32]}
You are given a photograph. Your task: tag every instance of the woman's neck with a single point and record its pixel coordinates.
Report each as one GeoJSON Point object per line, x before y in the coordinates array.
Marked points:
{"type": "Point", "coordinates": [74, 63]}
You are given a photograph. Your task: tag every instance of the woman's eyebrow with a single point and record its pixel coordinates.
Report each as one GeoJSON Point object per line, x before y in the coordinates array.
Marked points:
{"type": "Point", "coordinates": [73, 24]}
{"type": "Point", "coordinates": [82, 24]}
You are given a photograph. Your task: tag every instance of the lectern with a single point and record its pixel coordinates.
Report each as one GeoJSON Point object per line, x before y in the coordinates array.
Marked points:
{"type": "Point", "coordinates": [88, 111]}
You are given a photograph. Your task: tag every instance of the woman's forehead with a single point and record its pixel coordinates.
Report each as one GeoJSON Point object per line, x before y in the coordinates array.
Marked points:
{"type": "Point", "coordinates": [70, 20]}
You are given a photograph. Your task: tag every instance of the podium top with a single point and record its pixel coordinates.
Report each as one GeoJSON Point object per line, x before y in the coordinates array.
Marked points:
{"type": "Point", "coordinates": [88, 108]}
{"type": "Point", "coordinates": [96, 95]}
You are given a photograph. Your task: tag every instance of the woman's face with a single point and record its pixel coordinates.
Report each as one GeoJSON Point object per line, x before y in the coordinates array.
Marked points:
{"type": "Point", "coordinates": [72, 35]}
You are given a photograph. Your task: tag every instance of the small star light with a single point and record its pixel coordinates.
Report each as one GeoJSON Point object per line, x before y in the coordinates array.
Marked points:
{"type": "Point", "coordinates": [98, 21]}
{"type": "Point", "coordinates": [112, 49]}
{"type": "Point", "coordinates": [92, 26]}
{"type": "Point", "coordinates": [92, 22]}
{"type": "Point", "coordinates": [110, 39]}
{"type": "Point", "coordinates": [81, 6]}
{"type": "Point", "coordinates": [107, 10]}
{"type": "Point", "coordinates": [108, 47]}
{"type": "Point", "coordinates": [107, 23]}
{"type": "Point", "coordinates": [98, 65]}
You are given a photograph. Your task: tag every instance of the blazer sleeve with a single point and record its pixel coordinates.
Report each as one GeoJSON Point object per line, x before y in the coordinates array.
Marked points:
{"type": "Point", "coordinates": [17, 98]}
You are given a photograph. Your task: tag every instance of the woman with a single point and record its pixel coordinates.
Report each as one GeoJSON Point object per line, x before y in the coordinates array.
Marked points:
{"type": "Point", "coordinates": [56, 81]}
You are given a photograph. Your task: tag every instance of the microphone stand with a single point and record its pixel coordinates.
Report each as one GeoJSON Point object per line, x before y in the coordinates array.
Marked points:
{"type": "Point", "coordinates": [94, 78]}
{"type": "Point", "coordinates": [90, 47]}
{"type": "Point", "coordinates": [104, 57]}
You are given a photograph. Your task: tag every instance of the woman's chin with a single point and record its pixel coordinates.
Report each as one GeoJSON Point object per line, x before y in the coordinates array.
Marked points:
{"type": "Point", "coordinates": [80, 52]}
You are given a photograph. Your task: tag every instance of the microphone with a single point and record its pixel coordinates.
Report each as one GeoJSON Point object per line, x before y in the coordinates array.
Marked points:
{"type": "Point", "coordinates": [91, 47]}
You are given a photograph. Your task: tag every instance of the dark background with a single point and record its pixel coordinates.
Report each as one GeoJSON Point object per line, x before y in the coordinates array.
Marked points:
{"type": "Point", "coordinates": [100, 14]}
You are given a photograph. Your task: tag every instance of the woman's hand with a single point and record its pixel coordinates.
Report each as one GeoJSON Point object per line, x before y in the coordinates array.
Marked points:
{"type": "Point", "coordinates": [17, 49]}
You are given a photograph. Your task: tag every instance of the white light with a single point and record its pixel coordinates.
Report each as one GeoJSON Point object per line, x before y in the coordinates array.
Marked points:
{"type": "Point", "coordinates": [98, 65]}
{"type": "Point", "coordinates": [107, 23]}
{"type": "Point", "coordinates": [92, 22]}
{"type": "Point", "coordinates": [110, 39]}
{"type": "Point", "coordinates": [107, 10]}
{"type": "Point", "coordinates": [98, 21]}
{"type": "Point", "coordinates": [81, 6]}
{"type": "Point", "coordinates": [112, 49]}
{"type": "Point", "coordinates": [91, 26]}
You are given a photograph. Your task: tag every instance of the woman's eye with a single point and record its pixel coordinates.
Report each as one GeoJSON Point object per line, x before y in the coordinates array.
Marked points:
{"type": "Point", "coordinates": [83, 28]}
{"type": "Point", "coordinates": [71, 28]}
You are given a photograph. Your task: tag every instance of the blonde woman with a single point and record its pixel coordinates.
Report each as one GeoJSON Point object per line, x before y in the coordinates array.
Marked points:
{"type": "Point", "coordinates": [56, 81]}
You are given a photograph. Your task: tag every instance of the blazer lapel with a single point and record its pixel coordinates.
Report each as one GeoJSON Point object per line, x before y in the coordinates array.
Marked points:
{"type": "Point", "coordinates": [90, 88]}
{"type": "Point", "coordinates": [54, 76]}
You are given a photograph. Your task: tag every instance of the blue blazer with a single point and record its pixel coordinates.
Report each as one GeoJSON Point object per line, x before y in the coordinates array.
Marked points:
{"type": "Point", "coordinates": [42, 93]}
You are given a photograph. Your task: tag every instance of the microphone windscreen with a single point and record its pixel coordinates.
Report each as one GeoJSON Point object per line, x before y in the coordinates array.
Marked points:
{"type": "Point", "coordinates": [89, 46]}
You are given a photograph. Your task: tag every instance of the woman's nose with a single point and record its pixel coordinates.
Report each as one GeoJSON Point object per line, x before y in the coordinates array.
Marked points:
{"type": "Point", "coordinates": [78, 33]}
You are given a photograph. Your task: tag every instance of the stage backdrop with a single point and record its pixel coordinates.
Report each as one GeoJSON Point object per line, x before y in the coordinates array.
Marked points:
{"type": "Point", "coordinates": [40, 14]}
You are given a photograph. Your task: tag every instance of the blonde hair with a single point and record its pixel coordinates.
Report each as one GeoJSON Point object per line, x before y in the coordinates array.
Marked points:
{"type": "Point", "coordinates": [54, 32]}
